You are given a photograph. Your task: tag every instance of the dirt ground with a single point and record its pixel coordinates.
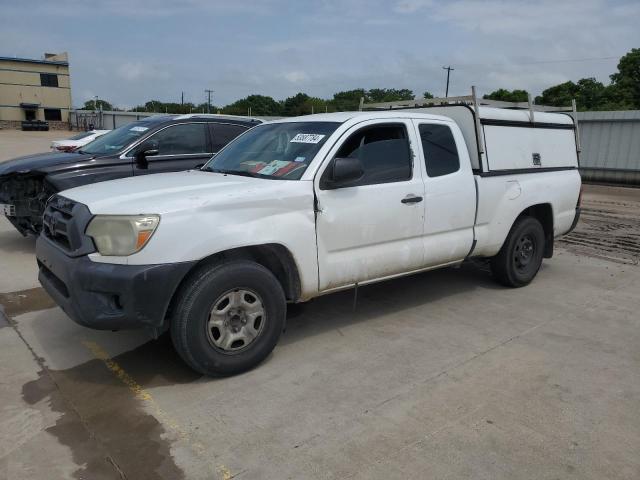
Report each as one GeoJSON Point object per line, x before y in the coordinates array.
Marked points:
{"type": "Point", "coordinates": [609, 226]}
{"type": "Point", "coordinates": [440, 375]}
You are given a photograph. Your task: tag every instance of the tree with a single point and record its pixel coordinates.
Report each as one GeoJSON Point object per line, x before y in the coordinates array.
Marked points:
{"type": "Point", "coordinates": [559, 95]}
{"type": "Point", "coordinates": [592, 95]}
{"type": "Point", "coordinates": [388, 94]}
{"type": "Point", "coordinates": [505, 95]}
{"type": "Point", "coordinates": [100, 104]}
{"type": "Point", "coordinates": [626, 82]}
{"type": "Point", "coordinates": [259, 104]}
{"type": "Point", "coordinates": [347, 100]}
{"type": "Point", "coordinates": [296, 105]}
{"type": "Point", "coordinates": [588, 93]}
{"type": "Point", "coordinates": [171, 107]}
{"type": "Point", "coordinates": [427, 94]}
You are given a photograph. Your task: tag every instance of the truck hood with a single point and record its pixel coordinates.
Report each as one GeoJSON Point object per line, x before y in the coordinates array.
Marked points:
{"type": "Point", "coordinates": [163, 193]}
{"type": "Point", "coordinates": [40, 161]}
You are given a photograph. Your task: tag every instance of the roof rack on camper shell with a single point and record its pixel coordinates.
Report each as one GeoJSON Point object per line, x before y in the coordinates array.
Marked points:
{"type": "Point", "coordinates": [475, 102]}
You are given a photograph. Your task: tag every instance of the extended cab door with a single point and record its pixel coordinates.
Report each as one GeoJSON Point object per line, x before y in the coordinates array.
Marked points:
{"type": "Point", "coordinates": [371, 228]}
{"type": "Point", "coordinates": [182, 146]}
{"type": "Point", "coordinates": [450, 192]}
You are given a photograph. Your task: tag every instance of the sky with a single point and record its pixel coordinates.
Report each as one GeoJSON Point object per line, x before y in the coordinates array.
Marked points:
{"type": "Point", "coordinates": [128, 52]}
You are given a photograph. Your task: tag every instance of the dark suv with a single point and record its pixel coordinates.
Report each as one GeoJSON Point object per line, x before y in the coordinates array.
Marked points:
{"type": "Point", "coordinates": [161, 143]}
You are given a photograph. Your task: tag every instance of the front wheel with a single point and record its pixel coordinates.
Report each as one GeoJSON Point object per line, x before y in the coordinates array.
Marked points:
{"type": "Point", "coordinates": [520, 258]}
{"type": "Point", "coordinates": [228, 317]}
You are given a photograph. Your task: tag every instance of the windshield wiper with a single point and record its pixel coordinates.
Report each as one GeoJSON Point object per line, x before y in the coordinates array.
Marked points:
{"type": "Point", "coordinates": [242, 173]}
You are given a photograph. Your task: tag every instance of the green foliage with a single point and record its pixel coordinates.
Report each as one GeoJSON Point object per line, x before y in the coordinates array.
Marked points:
{"type": "Point", "coordinates": [296, 105]}
{"type": "Point", "coordinates": [100, 104]}
{"type": "Point", "coordinates": [157, 106]}
{"type": "Point", "coordinates": [388, 95]}
{"type": "Point", "coordinates": [508, 95]}
{"type": "Point", "coordinates": [348, 100]}
{"type": "Point", "coordinates": [626, 82]}
{"type": "Point", "coordinates": [588, 93]}
{"type": "Point", "coordinates": [427, 94]}
{"type": "Point", "coordinates": [259, 105]}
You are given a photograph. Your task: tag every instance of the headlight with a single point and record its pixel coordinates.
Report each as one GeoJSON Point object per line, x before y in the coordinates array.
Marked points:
{"type": "Point", "coordinates": [122, 235]}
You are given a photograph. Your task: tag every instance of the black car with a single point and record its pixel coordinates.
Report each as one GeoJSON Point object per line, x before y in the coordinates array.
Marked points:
{"type": "Point", "coordinates": [161, 143]}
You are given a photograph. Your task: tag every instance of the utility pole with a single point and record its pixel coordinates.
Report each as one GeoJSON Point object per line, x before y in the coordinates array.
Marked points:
{"type": "Point", "coordinates": [208, 92]}
{"type": "Point", "coordinates": [181, 98]}
{"type": "Point", "coordinates": [448, 69]}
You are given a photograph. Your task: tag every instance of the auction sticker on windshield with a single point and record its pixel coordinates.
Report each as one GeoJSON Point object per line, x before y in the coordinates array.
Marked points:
{"type": "Point", "coordinates": [307, 138]}
{"type": "Point", "coordinates": [139, 129]}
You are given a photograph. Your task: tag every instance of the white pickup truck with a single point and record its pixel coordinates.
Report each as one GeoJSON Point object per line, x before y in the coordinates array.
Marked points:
{"type": "Point", "coordinates": [306, 206]}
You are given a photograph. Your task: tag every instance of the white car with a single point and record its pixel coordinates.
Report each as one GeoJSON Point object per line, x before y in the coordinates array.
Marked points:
{"type": "Point", "coordinates": [303, 207]}
{"type": "Point", "coordinates": [77, 141]}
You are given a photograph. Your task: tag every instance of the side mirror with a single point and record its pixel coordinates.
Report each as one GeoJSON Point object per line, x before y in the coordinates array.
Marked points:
{"type": "Point", "coordinates": [343, 171]}
{"type": "Point", "coordinates": [147, 149]}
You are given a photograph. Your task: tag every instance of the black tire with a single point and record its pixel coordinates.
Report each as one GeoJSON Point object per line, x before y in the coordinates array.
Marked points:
{"type": "Point", "coordinates": [190, 327]}
{"type": "Point", "coordinates": [520, 258]}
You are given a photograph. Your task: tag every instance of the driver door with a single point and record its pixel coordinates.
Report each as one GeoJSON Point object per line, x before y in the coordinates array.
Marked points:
{"type": "Point", "coordinates": [372, 228]}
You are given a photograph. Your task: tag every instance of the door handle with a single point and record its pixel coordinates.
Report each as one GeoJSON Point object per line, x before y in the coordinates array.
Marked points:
{"type": "Point", "coordinates": [411, 199]}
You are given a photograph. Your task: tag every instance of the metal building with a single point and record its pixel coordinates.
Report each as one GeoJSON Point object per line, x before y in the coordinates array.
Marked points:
{"type": "Point", "coordinates": [610, 146]}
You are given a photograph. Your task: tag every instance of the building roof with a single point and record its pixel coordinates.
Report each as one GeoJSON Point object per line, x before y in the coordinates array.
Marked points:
{"type": "Point", "coordinates": [31, 60]}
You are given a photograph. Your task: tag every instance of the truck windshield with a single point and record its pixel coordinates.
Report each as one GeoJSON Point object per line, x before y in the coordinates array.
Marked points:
{"type": "Point", "coordinates": [117, 139]}
{"type": "Point", "coordinates": [276, 150]}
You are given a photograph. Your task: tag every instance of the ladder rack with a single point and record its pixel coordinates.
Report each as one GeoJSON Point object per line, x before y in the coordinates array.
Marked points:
{"type": "Point", "coordinates": [475, 102]}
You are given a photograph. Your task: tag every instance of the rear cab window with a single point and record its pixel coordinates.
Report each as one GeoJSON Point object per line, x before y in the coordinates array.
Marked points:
{"type": "Point", "coordinates": [439, 148]}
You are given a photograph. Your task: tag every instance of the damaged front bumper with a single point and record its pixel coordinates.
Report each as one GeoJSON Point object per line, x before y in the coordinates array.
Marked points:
{"type": "Point", "coordinates": [22, 201]}
{"type": "Point", "coordinates": [106, 296]}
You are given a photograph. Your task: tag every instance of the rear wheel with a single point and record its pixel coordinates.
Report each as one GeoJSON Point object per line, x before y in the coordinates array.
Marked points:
{"type": "Point", "coordinates": [520, 257]}
{"type": "Point", "coordinates": [228, 317]}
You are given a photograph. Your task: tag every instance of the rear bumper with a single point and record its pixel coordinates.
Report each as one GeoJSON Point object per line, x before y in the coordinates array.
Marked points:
{"type": "Point", "coordinates": [107, 296]}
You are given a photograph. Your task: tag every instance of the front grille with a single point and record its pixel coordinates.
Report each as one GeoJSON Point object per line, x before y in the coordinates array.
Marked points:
{"type": "Point", "coordinates": [64, 222]}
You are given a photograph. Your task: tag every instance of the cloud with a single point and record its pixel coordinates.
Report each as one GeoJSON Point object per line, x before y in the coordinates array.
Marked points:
{"type": "Point", "coordinates": [296, 76]}
{"type": "Point", "coordinates": [411, 6]}
{"type": "Point", "coordinates": [137, 71]}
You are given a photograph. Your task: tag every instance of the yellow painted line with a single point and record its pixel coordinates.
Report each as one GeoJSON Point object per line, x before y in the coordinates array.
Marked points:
{"type": "Point", "coordinates": [225, 472]}
{"type": "Point", "coordinates": [145, 396]}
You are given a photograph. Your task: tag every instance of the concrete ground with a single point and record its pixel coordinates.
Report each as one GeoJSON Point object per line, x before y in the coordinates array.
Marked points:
{"type": "Point", "coordinates": [15, 143]}
{"type": "Point", "coordinates": [438, 375]}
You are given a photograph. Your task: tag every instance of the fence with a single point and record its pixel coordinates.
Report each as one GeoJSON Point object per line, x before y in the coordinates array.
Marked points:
{"type": "Point", "coordinates": [610, 146]}
{"type": "Point", "coordinates": [103, 120]}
